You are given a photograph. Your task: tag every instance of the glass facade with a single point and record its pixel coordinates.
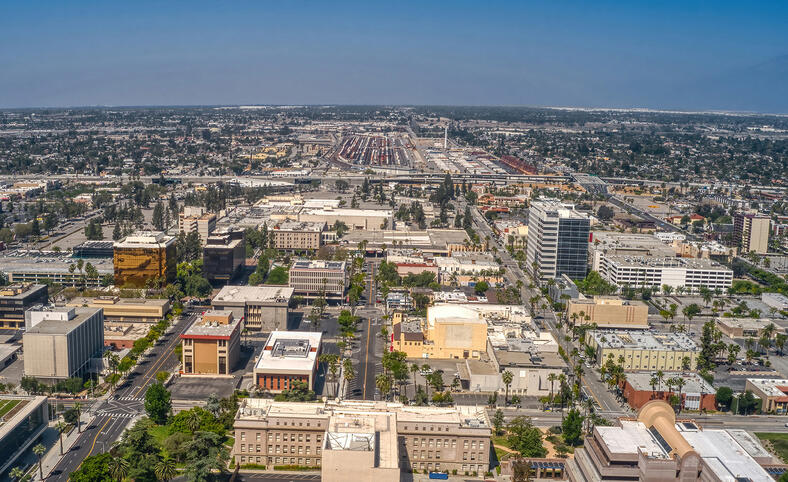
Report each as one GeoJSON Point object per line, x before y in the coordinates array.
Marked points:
{"type": "Point", "coordinates": [572, 255]}
{"type": "Point", "coordinates": [21, 434]}
{"type": "Point", "coordinates": [135, 266]}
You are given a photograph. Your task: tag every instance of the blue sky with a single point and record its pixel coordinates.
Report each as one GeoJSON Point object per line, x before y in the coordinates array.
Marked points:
{"type": "Point", "coordinates": [601, 53]}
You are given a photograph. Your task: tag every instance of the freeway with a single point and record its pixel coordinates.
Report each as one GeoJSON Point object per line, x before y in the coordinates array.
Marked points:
{"type": "Point", "coordinates": [116, 412]}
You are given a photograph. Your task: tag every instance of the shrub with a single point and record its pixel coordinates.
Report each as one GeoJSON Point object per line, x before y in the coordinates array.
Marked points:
{"type": "Point", "coordinates": [295, 467]}
{"type": "Point", "coordinates": [253, 466]}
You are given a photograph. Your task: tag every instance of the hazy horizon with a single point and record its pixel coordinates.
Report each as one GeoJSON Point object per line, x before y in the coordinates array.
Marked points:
{"type": "Point", "coordinates": [676, 56]}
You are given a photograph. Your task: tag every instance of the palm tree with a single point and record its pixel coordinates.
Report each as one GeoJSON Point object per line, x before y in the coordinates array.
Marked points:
{"type": "Point", "coordinates": [165, 469]}
{"type": "Point", "coordinates": [680, 382]}
{"type": "Point", "coordinates": [507, 378]}
{"type": "Point", "coordinates": [193, 421]}
{"type": "Point", "coordinates": [660, 377]}
{"type": "Point", "coordinates": [78, 408]}
{"type": "Point", "coordinates": [654, 381]}
{"type": "Point", "coordinates": [414, 369]}
{"type": "Point", "coordinates": [552, 378]}
{"type": "Point", "coordinates": [61, 428]}
{"type": "Point", "coordinates": [40, 450]}
{"type": "Point", "coordinates": [118, 468]}
{"type": "Point", "coordinates": [383, 383]}
{"type": "Point", "coordinates": [16, 473]}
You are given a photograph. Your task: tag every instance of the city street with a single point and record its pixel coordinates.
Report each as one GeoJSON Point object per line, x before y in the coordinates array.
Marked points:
{"type": "Point", "coordinates": [118, 410]}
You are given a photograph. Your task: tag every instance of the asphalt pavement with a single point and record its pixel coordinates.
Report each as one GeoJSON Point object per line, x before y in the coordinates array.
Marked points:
{"type": "Point", "coordinates": [115, 413]}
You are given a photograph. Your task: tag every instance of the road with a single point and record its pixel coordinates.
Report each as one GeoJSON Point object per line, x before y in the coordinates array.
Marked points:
{"type": "Point", "coordinates": [597, 390]}
{"type": "Point", "coordinates": [115, 414]}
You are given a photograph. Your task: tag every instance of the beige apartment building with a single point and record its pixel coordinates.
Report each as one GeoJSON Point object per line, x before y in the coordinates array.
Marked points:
{"type": "Point", "coordinates": [298, 236]}
{"type": "Point", "coordinates": [197, 219]}
{"type": "Point", "coordinates": [751, 232]}
{"type": "Point", "coordinates": [645, 350]}
{"type": "Point", "coordinates": [362, 440]}
{"type": "Point", "coordinates": [608, 312]}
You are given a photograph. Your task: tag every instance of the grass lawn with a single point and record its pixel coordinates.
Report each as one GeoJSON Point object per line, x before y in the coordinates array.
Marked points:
{"type": "Point", "coordinates": [777, 441]}
{"type": "Point", "coordinates": [7, 405]}
{"type": "Point", "coordinates": [159, 433]}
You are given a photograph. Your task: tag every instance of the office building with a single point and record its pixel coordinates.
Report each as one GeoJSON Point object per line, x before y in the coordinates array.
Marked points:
{"type": "Point", "coordinates": [313, 278]}
{"type": "Point", "coordinates": [121, 335]}
{"type": "Point", "coordinates": [773, 393]}
{"type": "Point", "coordinates": [747, 327]}
{"type": "Point", "coordinates": [133, 310]}
{"type": "Point", "coordinates": [450, 331]}
{"type": "Point", "coordinates": [751, 232]}
{"type": "Point", "coordinates": [654, 272]}
{"type": "Point", "coordinates": [212, 344]}
{"type": "Point", "coordinates": [607, 312]}
{"type": "Point", "coordinates": [645, 350]}
{"type": "Point", "coordinates": [23, 267]}
{"type": "Point", "coordinates": [696, 394]}
{"type": "Point", "coordinates": [557, 240]}
{"type": "Point", "coordinates": [60, 342]}
{"type": "Point", "coordinates": [298, 236]}
{"type": "Point", "coordinates": [145, 256]}
{"type": "Point", "coordinates": [224, 255]}
{"type": "Point", "coordinates": [196, 219]}
{"type": "Point", "coordinates": [410, 438]}
{"type": "Point", "coordinates": [262, 308]}
{"type": "Point", "coordinates": [656, 447]}
{"type": "Point", "coordinates": [94, 249]}
{"type": "Point", "coordinates": [354, 219]}
{"type": "Point", "coordinates": [288, 356]}
{"type": "Point", "coordinates": [24, 421]}
{"type": "Point", "coordinates": [614, 243]}
{"type": "Point", "coordinates": [16, 299]}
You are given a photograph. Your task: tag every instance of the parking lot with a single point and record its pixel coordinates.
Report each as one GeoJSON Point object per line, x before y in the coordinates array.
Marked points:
{"type": "Point", "coordinates": [200, 388]}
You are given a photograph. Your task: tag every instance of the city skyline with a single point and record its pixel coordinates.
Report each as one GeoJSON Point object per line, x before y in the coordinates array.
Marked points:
{"type": "Point", "coordinates": [674, 56]}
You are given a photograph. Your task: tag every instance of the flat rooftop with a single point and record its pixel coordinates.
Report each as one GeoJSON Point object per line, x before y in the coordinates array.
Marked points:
{"type": "Point", "coordinates": [558, 209]}
{"type": "Point", "coordinates": [641, 381]}
{"type": "Point", "coordinates": [667, 262]}
{"type": "Point", "coordinates": [290, 351]}
{"type": "Point", "coordinates": [117, 301]}
{"type": "Point", "coordinates": [749, 323]}
{"type": "Point", "coordinates": [319, 264]}
{"type": "Point", "coordinates": [772, 387]}
{"type": "Point", "coordinates": [631, 435]}
{"type": "Point", "coordinates": [643, 340]}
{"type": "Point", "coordinates": [429, 239]}
{"type": "Point", "coordinates": [243, 294]}
{"type": "Point", "coordinates": [724, 456]}
{"type": "Point", "coordinates": [19, 291]}
{"type": "Point", "coordinates": [146, 239]}
{"type": "Point", "coordinates": [61, 327]}
{"type": "Point", "coordinates": [23, 261]}
{"type": "Point", "coordinates": [200, 327]}
{"type": "Point", "coordinates": [314, 227]}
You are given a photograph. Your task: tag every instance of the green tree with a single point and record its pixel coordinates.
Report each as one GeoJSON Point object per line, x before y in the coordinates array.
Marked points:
{"type": "Point", "coordinates": [94, 469]}
{"type": "Point", "coordinates": [278, 276]}
{"type": "Point", "coordinates": [40, 450]}
{"type": "Point", "coordinates": [205, 454]}
{"type": "Point", "coordinates": [61, 427]}
{"type": "Point", "coordinates": [158, 216]}
{"type": "Point", "coordinates": [572, 427]}
{"type": "Point", "coordinates": [481, 287]}
{"type": "Point", "coordinates": [724, 397]}
{"type": "Point", "coordinates": [525, 438]}
{"type": "Point", "coordinates": [158, 403]}
{"type": "Point", "coordinates": [498, 421]}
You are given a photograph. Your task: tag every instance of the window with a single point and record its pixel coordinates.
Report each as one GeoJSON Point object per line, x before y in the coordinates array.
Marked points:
{"type": "Point", "coordinates": [243, 447]}
{"type": "Point", "coordinates": [243, 435]}
{"type": "Point", "coordinates": [465, 444]}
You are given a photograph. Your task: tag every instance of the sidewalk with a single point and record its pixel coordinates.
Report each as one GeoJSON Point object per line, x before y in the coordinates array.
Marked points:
{"type": "Point", "coordinates": [52, 457]}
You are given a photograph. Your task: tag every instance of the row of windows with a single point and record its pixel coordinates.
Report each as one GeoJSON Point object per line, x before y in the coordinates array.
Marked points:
{"type": "Point", "coordinates": [309, 462]}
{"type": "Point", "coordinates": [281, 449]}
{"type": "Point", "coordinates": [286, 436]}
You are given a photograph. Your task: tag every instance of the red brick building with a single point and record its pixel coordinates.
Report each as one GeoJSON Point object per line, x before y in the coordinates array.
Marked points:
{"type": "Point", "coordinates": [696, 394]}
{"type": "Point", "coordinates": [288, 356]}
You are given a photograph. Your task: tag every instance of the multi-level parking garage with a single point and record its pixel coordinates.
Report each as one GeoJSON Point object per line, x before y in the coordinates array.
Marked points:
{"type": "Point", "coordinates": [377, 150]}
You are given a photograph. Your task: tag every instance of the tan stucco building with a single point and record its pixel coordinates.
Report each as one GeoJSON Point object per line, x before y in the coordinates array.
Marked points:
{"type": "Point", "coordinates": [608, 312]}
{"type": "Point", "coordinates": [644, 350]}
{"type": "Point", "coordinates": [298, 236]}
{"type": "Point", "coordinates": [362, 440]}
{"type": "Point", "coordinates": [135, 310]}
{"type": "Point", "coordinates": [212, 344]}
{"type": "Point", "coordinates": [449, 331]}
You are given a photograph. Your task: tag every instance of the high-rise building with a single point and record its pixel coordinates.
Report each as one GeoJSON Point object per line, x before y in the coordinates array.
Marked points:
{"type": "Point", "coordinates": [751, 232]}
{"type": "Point", "coordinates": [15, 299]}
{"type": "Point", "coordinates": [60, 342]}
{"type": "Point", "coordinates": [223, 256]}
{"type": "Point", "coordinates": [557, 240]}
{"type": "Point", "coordinates": [196, 219]}
{"type": "Point", "coordinates": [144, 256]}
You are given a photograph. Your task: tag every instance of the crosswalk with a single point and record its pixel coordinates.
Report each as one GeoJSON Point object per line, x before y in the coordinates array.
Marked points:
{"type": "Point", "coordinates": [105, 413]}
{"type": "Point", "coordinates": [130, 399]}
